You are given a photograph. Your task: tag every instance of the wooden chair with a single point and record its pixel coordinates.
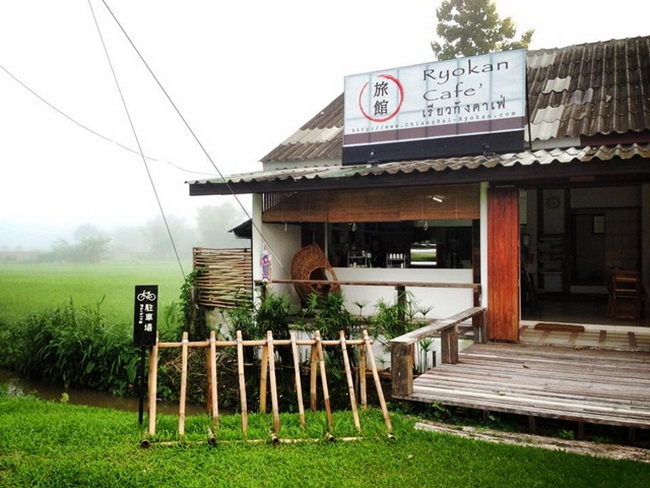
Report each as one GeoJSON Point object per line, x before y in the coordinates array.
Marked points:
{"type": "Point", "coordinates": [625, 295]}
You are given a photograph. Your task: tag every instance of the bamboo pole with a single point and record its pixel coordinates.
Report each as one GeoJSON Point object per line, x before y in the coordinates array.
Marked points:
{"type": "Point", "coordinates": [153, 386]}
{"type": "Point", "coordinates": [348, 375]}
{"type": "Point", "coordinates": [263, 376]}
{"type": "Point", "coordinates": [214, 385]}
{"type": "Point", "coordinates": [208, 374]}
{"type": "Point", "coordinates": [313, 378]}
{"type": "Point", "coordinates": [363, 390]}
{"type": "Point", "coordinates": [258, 342]}
{"type": "Point", "coordinates": [181, 408]}
{"type": "Point", "coordinates": [212, 439]}
{"type": "Point", "coordinates": [242, 383]}
{"type": "Point", "coordinates": [296, 368]}
{"type": "Point", "coordinates": [380, 392]}
{"type": "Point", "coordinates": [323, 375]}
{"type": "Point", "coordinates": [274, 387]}
{"type": "Point", "coordinates": [273, 440]}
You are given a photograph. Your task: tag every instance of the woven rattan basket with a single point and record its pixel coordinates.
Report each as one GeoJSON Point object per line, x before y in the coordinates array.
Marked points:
{"type": "Point", "coordinates": [310, 263]}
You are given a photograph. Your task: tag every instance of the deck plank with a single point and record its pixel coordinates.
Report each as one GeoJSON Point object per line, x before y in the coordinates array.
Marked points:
{"type": "Point", "coordinates": [594, 386]}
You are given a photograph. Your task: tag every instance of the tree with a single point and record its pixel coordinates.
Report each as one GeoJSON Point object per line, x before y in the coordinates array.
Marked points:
{"type": "Point", "coordinates": [214, 222]}
{"type": "Point", "coordinates": [471, 27]}
{"type": "Point", "coordinates": [158, 241]}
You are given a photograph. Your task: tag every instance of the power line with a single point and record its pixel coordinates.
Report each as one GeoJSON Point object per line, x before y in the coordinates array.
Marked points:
{"type": "Point", "coordinates": [187, 125]}
{"type": "Point", "coordinates": [137, 140]}
{"type": "Point", "coordinates": [93, 132]}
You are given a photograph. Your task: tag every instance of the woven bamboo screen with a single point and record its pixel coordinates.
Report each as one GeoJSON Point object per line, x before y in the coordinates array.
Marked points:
{"type": "Point", "coordinates": [225, 276]}
{"type": "Point", "coordinates": [378, 205]}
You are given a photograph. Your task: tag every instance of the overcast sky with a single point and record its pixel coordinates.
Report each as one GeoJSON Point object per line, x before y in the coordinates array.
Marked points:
{"type": "Point", "coordinates": [245, 75]}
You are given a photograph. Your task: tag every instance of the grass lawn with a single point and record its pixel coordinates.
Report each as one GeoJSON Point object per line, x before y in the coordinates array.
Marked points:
{"type": "Point", "coordinates": [52, 444]}
{"type": "Point", "coordinates": [30, 288]}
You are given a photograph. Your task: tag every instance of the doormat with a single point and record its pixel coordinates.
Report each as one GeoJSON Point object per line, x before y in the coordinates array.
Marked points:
{"type": "Point", "coordinates": [559, 327]}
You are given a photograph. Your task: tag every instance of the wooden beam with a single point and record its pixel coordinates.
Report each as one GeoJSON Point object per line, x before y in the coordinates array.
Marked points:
{"type": "Point", "coordinates": [439, 325]}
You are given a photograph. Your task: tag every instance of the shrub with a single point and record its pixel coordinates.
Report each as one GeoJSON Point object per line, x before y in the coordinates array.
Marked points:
{"type": "Point", "coordinates": [77, 347]}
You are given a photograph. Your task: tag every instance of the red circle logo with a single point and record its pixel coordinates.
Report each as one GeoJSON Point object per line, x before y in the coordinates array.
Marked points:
{"type": "Point", "coordinates": [384, 116]}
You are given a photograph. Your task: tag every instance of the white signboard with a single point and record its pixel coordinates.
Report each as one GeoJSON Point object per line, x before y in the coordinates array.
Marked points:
{"type": "Point", "coordinates": [475, 95]}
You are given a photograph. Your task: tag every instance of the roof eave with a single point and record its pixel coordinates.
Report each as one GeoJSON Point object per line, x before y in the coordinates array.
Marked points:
{"type": "Point", "coordinates": [533, 174]}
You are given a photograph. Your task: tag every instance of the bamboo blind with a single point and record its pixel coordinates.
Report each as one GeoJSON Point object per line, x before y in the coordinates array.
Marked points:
{"type": "Point", "coordinates": [225, 277]}
{"type": "Point", "coordinates": [376, 205]}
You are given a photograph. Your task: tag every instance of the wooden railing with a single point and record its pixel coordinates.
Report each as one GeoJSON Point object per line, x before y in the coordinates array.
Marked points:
{"type": "Point", "coordinates": [400, 286]}
{"type": "Point", "coordinates": [403, 347]}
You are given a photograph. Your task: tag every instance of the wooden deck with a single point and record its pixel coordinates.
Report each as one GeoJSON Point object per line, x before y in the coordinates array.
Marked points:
{"type": "Point", "coordinates": [585, 385]}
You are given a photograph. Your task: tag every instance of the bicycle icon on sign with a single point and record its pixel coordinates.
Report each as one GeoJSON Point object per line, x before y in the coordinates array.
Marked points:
{"type": "Point", "coordinates": [146, 295]}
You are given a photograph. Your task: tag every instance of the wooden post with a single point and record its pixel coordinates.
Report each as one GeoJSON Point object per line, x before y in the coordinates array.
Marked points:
{"type": "Point", "coordinates": [181, 409]}
{"type": "Point", "coordinates": [263, 377]}
{"type": "Point", "coordinates": [348, 375]}
{"type": "Point", "coordinates": [401, 302]}
{"type": "Point", "coordinates": [478, 325]}
{"type": "Point", "coordinates": [363, 391]}
{"type": "Point", "coordinates": [323, 376]}
{"type": "Point", "coordinates": [449, 344]}
{"type": "Point", "coordinates": [153, 386]}
{"type": "Point", "coordinates": [313, 378]}
{"type": "Point", "coordinates": [296, 368]}
{"type": "Point", "coordinates": [375, 374]}
{"type": "Point", "coordinates": [454, 344]}
{"type": "Point", "coordinates": [274, 388]}
{"type": "Point", "coordinates": [242, 383]}
{"type": "Point", "coordinates": [401, 367]}
{"type": "Point", "coordinates": [214, 385]}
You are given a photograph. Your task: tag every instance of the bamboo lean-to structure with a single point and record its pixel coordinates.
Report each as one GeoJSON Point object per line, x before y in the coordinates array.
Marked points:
{"type": "Point", "coordinates": [268, 378]}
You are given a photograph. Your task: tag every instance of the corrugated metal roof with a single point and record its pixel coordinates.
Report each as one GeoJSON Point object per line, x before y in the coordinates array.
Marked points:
{"type": "Point", "coordinates": [526, 158]}
{"type": "Point", "coordinates": [578, 91]}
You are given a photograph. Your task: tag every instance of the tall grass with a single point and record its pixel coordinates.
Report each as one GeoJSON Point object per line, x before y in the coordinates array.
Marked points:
{"type": "Point", "coordinates": [73, 325]}
{"type": "Point", "coordinates": [72, 346]}
{"type": "Point", "coordinates": [32, 288]}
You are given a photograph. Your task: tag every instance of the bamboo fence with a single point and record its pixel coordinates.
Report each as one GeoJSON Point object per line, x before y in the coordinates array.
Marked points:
{"type": "Point", "coordinates": [224, 276]}
{"type": "Point", "coordinates": [268, 380]}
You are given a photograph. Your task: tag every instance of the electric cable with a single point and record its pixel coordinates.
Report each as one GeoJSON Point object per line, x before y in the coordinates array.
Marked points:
{"type": "Point", "coordinates": [137, 140]}
{"type": "Point", "coordinates": [187, 125]}
{"type": "Point", "coordinates": [92, 131]}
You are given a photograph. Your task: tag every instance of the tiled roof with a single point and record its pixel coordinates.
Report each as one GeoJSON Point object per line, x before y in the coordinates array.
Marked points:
{"type": "Point", "coordinates": [574, 92]}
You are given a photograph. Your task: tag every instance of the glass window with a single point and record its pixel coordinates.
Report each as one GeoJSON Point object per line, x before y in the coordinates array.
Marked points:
{"type": "Point", "coordinates": [428, 244]}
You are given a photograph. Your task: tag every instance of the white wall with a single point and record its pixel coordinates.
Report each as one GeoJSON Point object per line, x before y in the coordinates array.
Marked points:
{"type": "Point", "coordinates": [282, 242]}
{"type": "Point", "coordinates": [446, 301]}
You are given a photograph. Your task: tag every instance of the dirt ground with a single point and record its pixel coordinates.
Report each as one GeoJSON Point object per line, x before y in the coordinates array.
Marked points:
{"type": "Point", "coordinates": [612, 451]}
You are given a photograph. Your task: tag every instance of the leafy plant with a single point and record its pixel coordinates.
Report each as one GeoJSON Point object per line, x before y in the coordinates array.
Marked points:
{"type": "Point", "coordinates": [330, 315]}
{"type": "Point", "coordinates": [425, 346]}
{"type": "Point", "coordinates": [566, 434]}
{"type": "Point", "coordinates": [194, 320]}
{"type": "Point", "coordinates": [274, 313]}
{"type": "Point", "coordinates": [394, 320]}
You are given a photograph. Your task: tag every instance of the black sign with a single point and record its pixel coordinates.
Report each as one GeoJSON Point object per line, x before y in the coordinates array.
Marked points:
{"type": "Point", "coordinates": [145, 315]}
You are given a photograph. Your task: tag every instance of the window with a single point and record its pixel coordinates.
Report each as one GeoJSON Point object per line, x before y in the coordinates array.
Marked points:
{"type": "Point", "coordinates": [429, 244]}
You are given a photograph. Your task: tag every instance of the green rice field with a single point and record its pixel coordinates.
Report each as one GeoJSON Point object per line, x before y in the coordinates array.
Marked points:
{"type": "Point", "coordinates": [30, 288]}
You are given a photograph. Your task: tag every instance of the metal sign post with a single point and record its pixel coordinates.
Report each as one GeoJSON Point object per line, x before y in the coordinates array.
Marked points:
{"type": "Point", "coordinates": [145, 322]}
